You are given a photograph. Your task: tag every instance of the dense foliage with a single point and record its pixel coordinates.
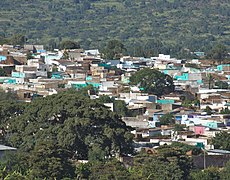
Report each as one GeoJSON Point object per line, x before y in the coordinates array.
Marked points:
{"type": "Point", "coordinates": [69, 45]}
{"type": "Point", "coordinates": [221, 85]}
{"type": "Point", "coordinates": [113, 50]}
{"type": "Point", "coordinates": [146, 27]}
{"type": "Point", "coordinates": [73, 122]}
{"type": "Point", "coordinates": [167, 119]}
{"type": "Point", "coordinates": [207, 174]}
{"type": "Point", "coordinates": [52, 131]}
{"type": "Point", "coordinates": [222, 141]}
{"type": "Point", "coordinates": [167, 163]}
{"type": "Point", "coordinates": [212, 173]}
{"type": "Point", "coordinates": [152, 81]}
{"type": "Point", "coordinates": [225, 111]}
{"type": "Point", "coordinates": [2, 72]}
{"type": "Point", "coordinates": [119, 106]}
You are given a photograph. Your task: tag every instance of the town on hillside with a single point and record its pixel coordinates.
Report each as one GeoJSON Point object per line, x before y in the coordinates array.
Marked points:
{"type": "Point", "coordinates": [162, 98]}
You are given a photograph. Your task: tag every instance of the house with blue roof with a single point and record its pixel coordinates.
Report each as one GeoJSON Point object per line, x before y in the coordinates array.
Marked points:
{"type": "Point", "coordinates": [223, 67]}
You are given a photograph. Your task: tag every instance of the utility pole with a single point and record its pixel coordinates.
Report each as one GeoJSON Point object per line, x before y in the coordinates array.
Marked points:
{"type": "Point", "coordinates": [204, 158]}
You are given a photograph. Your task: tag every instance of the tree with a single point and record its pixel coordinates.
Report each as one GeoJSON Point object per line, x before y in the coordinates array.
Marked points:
{"type": "Point", "coordinates": [15, 175]}
{"type": "Point", "coordinates": [222, 141]}
{"type": "Point", "coordinates": [74, 122]}
{"type": "Point", "coordinates": [65, 55]}
{"type": "Point", "coordinates": [192, 65]}
{"type": "Point", "coordinates": [119, 106]}
{"type": "Point", "coordinates": [210, 81]}
{"type": "Point", "coordinates": [114, 49]}
{"type": "Point", "coordinates": [2, 72]}
{"type": "Point", "coordinates": [68, 44]}
{"type": "Point", "coordinates": [167, 119]}
{"type": "Point", "coordinates": [225, 111]}
{"type": "Point", "coordinates": [47, 160]}
{"type": "Point", "coordinates": [219, 52]}
{"type": "Point", "coordinates": [225, 173]}
{"type": "Point", "coordinates": [9, 108]}
{"type": "Point", "coordinates": [18, 39]}
{"type": "Point", "coordinates": [152, 81]}
{"type": "Point", "coordinates": [186, 148]}
{"type": "Point", "coordinates": [221, 85]}
{"type": "Point", "coordinates": [58, 129]}
{"type": "Point", "coordinates": [3, 40]}
{"type": "Point", "coordinates": [106, 99]}
{"type": "Point", "coordinates": [167, 163]}
{"type": "Point", "coordinates": [14, 164]}
{"type": "Point", "coordinates": [207, 174]}
{"type": "Point", "coordinates": [29, 55]}
{"type": "Point", "coordinates": [54, 68]}
{"type": "Point", "coordinates": [187, 103]}
{"type": "Point", "coordinates": [7, 96]}
{"type": "Point", "coordinates": [208, 110]}
{"type": "Point", "coordinates": [109, 170]}
{"type": "Point", "coordinates": [179, 127]}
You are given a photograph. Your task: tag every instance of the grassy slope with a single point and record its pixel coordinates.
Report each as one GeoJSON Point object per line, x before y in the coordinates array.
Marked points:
{"type": "Point", "coordinates": [192, 24]}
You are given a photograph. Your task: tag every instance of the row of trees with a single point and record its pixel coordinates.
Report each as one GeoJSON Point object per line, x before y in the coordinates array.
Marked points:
{"type": "Point", "coordinates": [152, 47]}
{"type": "Point", "coordinates": [114, 49]}
{"type": "Point", "coordinates": [166, 162]}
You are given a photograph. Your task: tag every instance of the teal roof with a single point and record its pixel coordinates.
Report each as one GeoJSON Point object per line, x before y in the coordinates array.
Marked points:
{"type": "Point", "coordinates": [165, 101]}
{"type": "Point", "coordinates": [96, 85]}
{"type": "Point", "coordinates": [89, 78]}
{"type": "Point", "coordinates": [81, 85]}
{"type": "Point", "coordinates": [57, 75]}
{"type": "Point", "coordinates": [183, 77]}
{"type": "Point", "coordinates": [106, 66]}
{"type": "Point", "coordinates": [2, 58]}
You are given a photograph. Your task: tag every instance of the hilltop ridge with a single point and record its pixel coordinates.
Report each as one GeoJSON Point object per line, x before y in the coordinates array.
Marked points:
{"type": "Point", "coordinates": [168, 26]}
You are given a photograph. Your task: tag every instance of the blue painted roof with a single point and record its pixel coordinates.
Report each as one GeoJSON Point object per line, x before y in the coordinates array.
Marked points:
{"type": "Point", "coordinates": [2, 58]}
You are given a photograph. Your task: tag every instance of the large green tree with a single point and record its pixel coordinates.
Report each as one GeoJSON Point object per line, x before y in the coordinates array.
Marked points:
{"type": "Point", "coordinates": [225, 173]}
{"type": "Point", "coordinates": [152, 81]}
{"type": "Point", "coordinates": [9, 109]}
{"type": "Point", "coordinates": [207, 174]}
{"type": "Point", "coordinates": [167, 119]}
{"type": "Point", "coordinates": [222, 141]}
{"type": "Point", "coordinates": [109, 170]}
{"type": "Point", "coordinates": [69, 44]}
{"type": "Point", "coordinates": [50, 160]}
{"type": "Point", "coordinates": [17, 39]}
{"type": "Point", "coordinates": [114, 49]}
{"type": "Point", "coordinates": [167, 163]}
{"type": "Point", "coordinates": [68, 126]}
{"type": "Point", "coordinates": [218, 52]}
{"type": "Point", "coordinates": [74, 122]}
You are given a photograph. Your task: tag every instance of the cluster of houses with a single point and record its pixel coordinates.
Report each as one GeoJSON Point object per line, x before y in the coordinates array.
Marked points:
{"type": "Point", "coordinates": [31, 71]}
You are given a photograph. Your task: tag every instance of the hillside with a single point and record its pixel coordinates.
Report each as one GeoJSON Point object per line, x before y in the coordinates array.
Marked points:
{"type": "Point", "coordinates": [167, 26]}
